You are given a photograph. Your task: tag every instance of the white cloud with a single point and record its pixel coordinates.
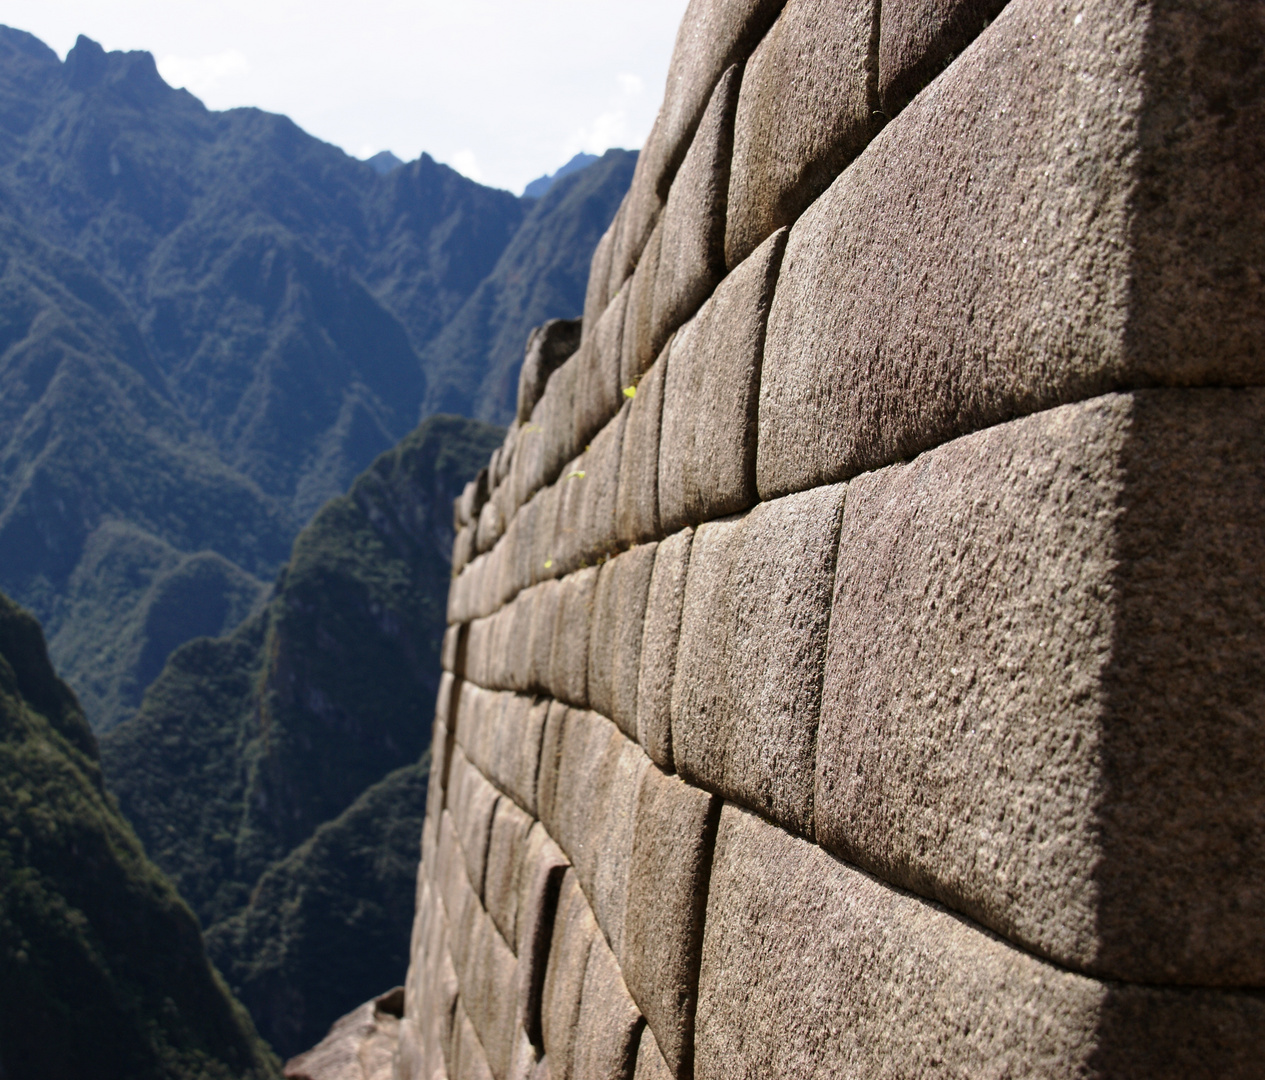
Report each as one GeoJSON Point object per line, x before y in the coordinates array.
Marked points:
{"type": "Point", "coordinates": [200, 75]}
{"type": "Point", "coordinates": [630, 85]}
{"type": "Point", "coordinates": [467, 164]}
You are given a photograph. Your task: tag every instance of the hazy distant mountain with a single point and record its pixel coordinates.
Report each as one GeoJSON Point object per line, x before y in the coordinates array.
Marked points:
{"type": "Point", "coordinates": [210, 322]}
{"type": "Point", "coordinates": [383, 162]}
{"type": "Point", "coordinates": [537, 188]}
{"type": "Point", "coordinates": [244, 768]}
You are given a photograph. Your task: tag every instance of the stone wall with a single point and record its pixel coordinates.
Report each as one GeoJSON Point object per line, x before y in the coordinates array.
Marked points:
{"type": "Point", "coordinates": [856, 647]}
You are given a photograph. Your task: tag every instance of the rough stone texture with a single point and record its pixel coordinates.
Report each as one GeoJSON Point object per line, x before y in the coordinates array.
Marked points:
{"type": "Point", "coordinates": [667, 892]}
{"type": "Point", "coordinates": [491, 524]}
{"type": "Point", "coordinates": [638, 349]}
{"type": "Point", "coordinates": [469, 1061]}
{"type": "Point", "coordinates": [664, 604]}
{"type": "Point", "coordinates": [966, 270]}
{"type": "Point", "coordinates": [450, 651]}
{"type": "Point", "coordinates": [598, 293]}
{"type": "Point", "coordinates": [472, 802]}
{"type": "Point", "coordinates": [359, 1046]}
{"type": "Point", "coordinates": [808, 106]}
{"type": "Point", "coordinates": [589, 487]}
{"type": "Point", "coordinates": [638, 218]}
{"type": "Point", "coordinates": [462, 548]}
{"type": "Point", "coordinates": [707, 446]}
{"type": "Point", "coordinates": [650, 1063]}
{"type": "Point", "coordinates": [574, 932]}
{"type": "Point", "coordinates": [692, 247]}
{"type": "Point", "coordinates": [899, 986]}
{"type": "Point", "coordinates": [507, 855]}
{"type": "Point", "coordinates": [919, 38]}
{"type": "Point", "coordinates": [545, 533]}
{"type": "Point", "coordinates": [598, 394]}
{"type": "Point", "coordinates": [609, 1025]}
{"type": "Point", "coordinates": [637, 500]}
{"type": "Point", "coordinates": [615, 643]}
{"type": "Point", "coordinates": [488, 993]}
{"type": "Point", "coordinates": [569, 656]}
{"type": "Point", "coordinates": [1111, 552]}
{"type": "Point", "coordinates": [467, 507]}
{"type": "Point", "coordinates": [713, 35]}
{"type": "Point", "coordinates": [747, 692]}
{"type": "Point", "coordinates": [544, 617]}
{"type": "Point", "coordinates": [548, 346]}
{"type": "Point", "coordinates": [514, 757]}
{"type": "Point", "coordinates": [540, 882]}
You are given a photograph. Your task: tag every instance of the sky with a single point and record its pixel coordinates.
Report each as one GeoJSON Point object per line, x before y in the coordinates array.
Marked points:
{"type": "Point", "coordinates": [502, 90]}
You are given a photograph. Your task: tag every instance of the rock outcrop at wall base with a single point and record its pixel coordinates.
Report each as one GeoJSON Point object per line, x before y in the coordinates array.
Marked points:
{"type": "Point", "coordinates": [872, 684]}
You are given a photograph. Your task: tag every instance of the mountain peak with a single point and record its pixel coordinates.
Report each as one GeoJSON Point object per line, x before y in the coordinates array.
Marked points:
{"type": "Point", "coordinates": [537, 188]}
{"type": "Point", "coordinates": [383, 162]}
{"type": "Point", "coordinates": [86, 64]}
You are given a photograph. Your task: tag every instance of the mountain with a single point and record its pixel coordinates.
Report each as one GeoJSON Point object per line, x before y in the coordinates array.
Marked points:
{"type": "Point", "coordinates": [102, 967]}
{"type": "Point", "coordinates": [242, 769]}
{"type": "Point", "coordinates": [533, 280]}
{"type": "Point", "coordinates": [383, 162]}
{"type": "Point", "coordinates": [210, 323]}
{"type": "Point", "coordinates": [542, 184]}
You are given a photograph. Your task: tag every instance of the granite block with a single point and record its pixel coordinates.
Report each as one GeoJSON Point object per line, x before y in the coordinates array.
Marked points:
{"type": "Point", "coordinates": [574, 932]}
{"type": "Point", "coordinates": [548, 346]}
{"type": "Point", "coordinates": [615, 643]}
{"type": "Point", "coordinates": [660, 637]}
{"type": "Point", "coordinates": [608, 1028]}
{"type": "Point", "coordinates": [637, 500]}
{"type": "Point", "coordinates": [568, 658]}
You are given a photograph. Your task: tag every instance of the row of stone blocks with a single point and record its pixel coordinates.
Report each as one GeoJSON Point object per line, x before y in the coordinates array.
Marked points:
{"type": "Point", "coordinates": [582, 913]}
{"type": "Point", "coordinates": [957, 273]}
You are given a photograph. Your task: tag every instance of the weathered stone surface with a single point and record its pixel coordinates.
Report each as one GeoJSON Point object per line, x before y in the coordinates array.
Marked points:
{"type": "Point", "coordinates": [659, 640]}
{"type": "Point", "coordinates": [472, 802]}
{"type": "Point", "coordinates": [471, 501]}
{"type": "Point", "coordinates": [667, 892]}
{"type": "Point", "coordinates": [431, 989]}
{"type": "Point", "coordinates": [637, 500]}
{"type": "Point", "coordinates": [550, 755]}
{"type": "Point", "coordinates": [462, 548]}
{"type": "Point", "coordinates": [899, 986]}
{"type": "Point", "coordinates": [638, 349]}
{"type": "Point", "coordinates": [1109, 551]}
{"type": "Point", "coordinates": [478, 651]}
{"type": "Point", "coordinates": [514, 750]}
{"type": "Point", "coordinates": [449, 650]}
{"type": "Point", "coordinates": [548, 346]}
{"type": "Point", "coordinates": [619, 612]}
{"type": "Point", "coordinates": [569, 656]}
{"type": "Point", "coordinates": [713, 35]}
{"type": "Point", "coordinates": [359, 1046]}
{"type": "Point", "coordinates": [491, 524]}
{"type": "Point", "coordinates": [808, 106]}
{"type": "Point", "coordinates": [707, 447]}
{"type": "Point", "coordinates": [598, 395]}
{"type": "Point", "coordinates": [488, 991]}
{"type": "Point", "coordinates": [692, 247]}
{"type": "Point", "coordinates": [746, 696]}
{"type": "Point", "coordinates": [549, 440]}
{"type": "Point", "coordinates": [918, 39]}
{"type": "Point", "coordinates": [544, 616]}
{"type": "Point", "coordinates": [609, 1025]}
{"type": "Point", "coordinates": [540, 882]}
{"type": "Point", "coordinates": [526, 1057]}
{"type": "Point", "coordinates": [586, 506]}
{"type": "Point", "coordinates": [469, 1061]}
{"type": "Point", "coordinates": [573, 934]}
{"type": "Point", "coordinates": [964, 270]}
{"type": "Point", "coordinates": [650, 1063]}
{"type": "Point", "coordinates": [507, 851]}
{"type": "Point", "coordinates": [598, 292]}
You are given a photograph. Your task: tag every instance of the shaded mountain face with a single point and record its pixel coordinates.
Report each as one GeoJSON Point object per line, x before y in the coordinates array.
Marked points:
{"type": "Point", "coordinates": [246, 746]}
{"type": "Point", "coordinates": [210, 323]}
{"type": "Point", "coordinates": [102, 966]}
{"type": "Point", "coordinates": [542, 184]}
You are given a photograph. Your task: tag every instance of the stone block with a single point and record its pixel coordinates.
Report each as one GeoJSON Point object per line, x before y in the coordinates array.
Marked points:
{"type": "Point", "coordinates": [598, 393]}
{"type": "Point", "coordinates": [639, 349]}
{"type": "Point", "coordinates": [619, 611]}
{"type": "Point", "coordinates": [491, 525]}
{"type": "Point", "coordinates": [526, 1057]}
{"type": "Point", "coordinates": [639, 215]}
{"type": "Point", "coordinates": [462, 548]}
{"type": "Point", "coordinates": [650, 1063]}
{"type": "Point", "coordinates": [692, 248]}
{"type": "Point", "coordinates": [469, 1060]}
{"type": "Point", "coordinates": [507, 850]}
{"type": "Point", "coordinates": [544, 616]}
{"type": "Point", "coordinates": [598, 293]}
{"type": "Point", "coordinates": [479, 651]}
{"type": "Point", "coordinates": [473, 496]}
{"type": "Point", "coordinates": [478, 724]}
{"type": "Point", "coordinates": [919, 38]}
{"type": "Point", "coordinates": [568, 658]}
{"type": "Point", "coordinates": [488, 994]}
{"type": "Point", "coordinates": [548, 346]}
{"type": "Point", "coordinates": [556, 418]}
{"type": "Point", "coordinates": [514, 641]}
{"type": "Point", "coordinates": [544, 534]}
{"type": "Point", "coordinates": [674, 834]}
{"type": "Point", "coordinates": [1042, 701]}
{"type": "Point", "coordinates": [707, 446]}
{"type": "Point", "coordinates": [637, 500]}
{"type": "Point", "coordinates": [574, 932]}
{"type": "Point", "coordinates": [966, 270]}
{"type": "Point", "coordinates": [452, 883]}
{"type": "Point", "coordinates": [550, 754]}
{"type": "Point", "coordinates": [746, 696]}
{"type": "Point", "coordinates": [713, 35]}
{"type": "Point", "coordinates": [450, 658]}
{"type": "Point", "coordinates": [516, 754]}
{"type": "Point", "coordinates": [809, 105]}
{"type": "Point", "coordinates": [586, 507]}
{"type": "Point", "coordinates": [899, 986]}
{"type": "Point", "coordinates": [472, 802]}
{"type": "Point", "coordinates": [659, 640]}
{"type": "Point", "coordinates": [540, 883]}
{"type": "Point", "coordinates": [608, 1028]}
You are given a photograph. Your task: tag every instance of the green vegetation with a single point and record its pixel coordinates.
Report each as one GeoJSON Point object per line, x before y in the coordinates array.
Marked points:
{"type": "Point", "coordinates": [102, 968]}
{"type": "Point", "coordinates": [239, 770]}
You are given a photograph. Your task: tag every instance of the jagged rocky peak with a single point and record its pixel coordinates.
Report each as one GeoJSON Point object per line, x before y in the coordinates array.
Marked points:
{"type": "Point", "coordinates": [538, 187]}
